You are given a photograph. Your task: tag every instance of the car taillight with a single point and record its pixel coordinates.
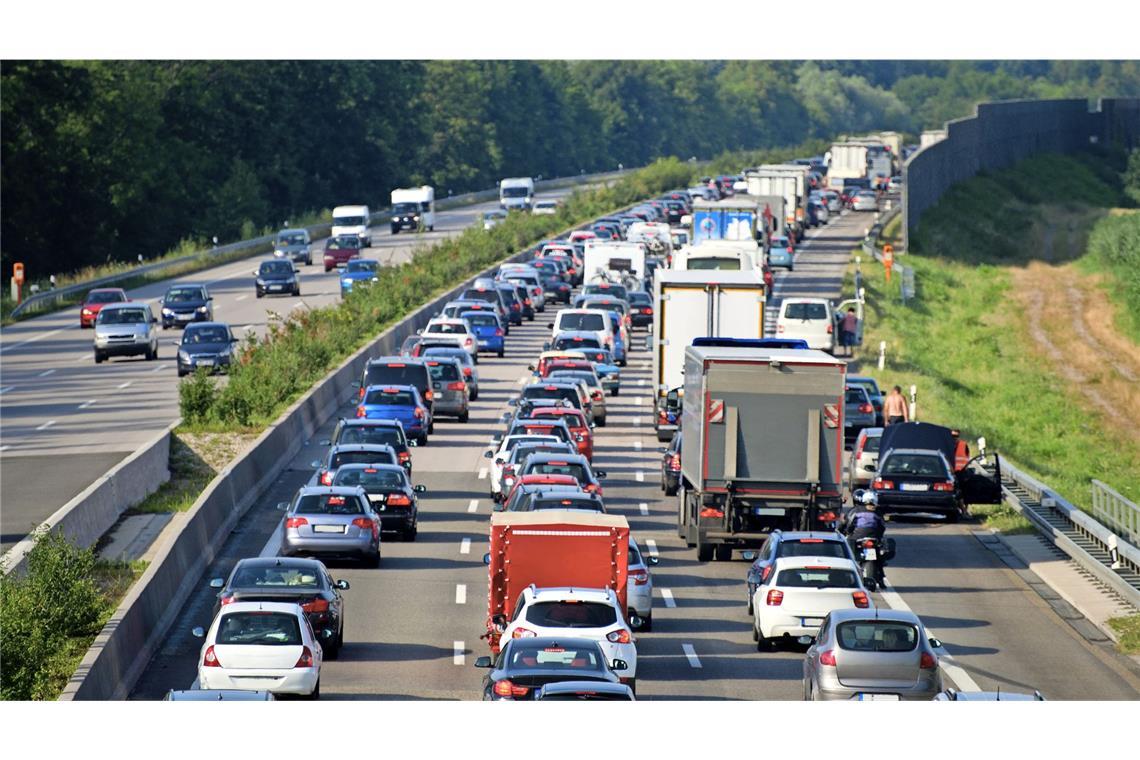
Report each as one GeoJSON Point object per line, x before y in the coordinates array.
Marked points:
{"type": "Point", "coordinates": [647, 311]}
{"type": "Point", "coordinates": [322, 605]}
{"type": "Point", "coordinates": [210, 660]}
{"type": "Point", "coordinates": [295, 522]}
{"type": "Point", "coordinates": [404, 456]}
{"type": "Point", "coordinates": [883, 485]}
{"type": "Point", "coordinates": [596, 395]}
{"type": "Point", "coordinates": [429, 394]}
{"type": "Point", "coordinates": [947, 486]}
{"type": "Point", "coordinates": [399, 500]}
{"type": "Point", "coordinates": [927, 661]}
{"type": "Point", "coordinates": [775, 598]}
{"type": "Point", "coordinates": [861, 600]}
{"type": "Point", "coordinates": [827, 657]}
{"type": "Point", "coordinates": [523, 633]}
{"type": "Point", "coordinates": [419, 413]}
{"type": "Point", "coordinates": [515, 306]}
{"type": "Point", "coordinates": [661, 416]}
{"type": "Point", "coordinates": [362, 393]}
{"type": "Point", "coordinates": [360, 412]}
{"type": "Point", "coordinates": [508, 689]}
{"type": "Point", "coordinates": [790, 249]}
{"type": "Point", "coordinates": [620, 636]}
{"type": "Point", "coordinates": [779, 328]}
{"type": "Point", "coordinates": [498, 332]}
{"type": "Point", "coordinates": [468, 342]}
{"type": "Point", "coordinates": [363, 523]}
{"type": "Point", "coordinates": [591, 488]}
{"type": "Point", "coordinates": [306, 658]}
{"type": "Point", "coordinates": [830, 329]}
{"type": "Point", "coordinates": [228, 599]}
{"type": "Point", "coordinates": [326, 478]}
{"type": "Point", "coordinates": [674, 462]}
{"type": "Point", "coordinates": [866, 409]}
{"type": "Point", "coordinates": [640, 577]}
{"type": "Point", "coordinates": [527, 301]}
{"type": "Point", "coordinates": [457, 386]}
{"type": "Point", "coordinates": [712, 512]}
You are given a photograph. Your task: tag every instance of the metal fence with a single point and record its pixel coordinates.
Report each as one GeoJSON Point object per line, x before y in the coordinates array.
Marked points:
{"type": "Point", "coordinates": [1115, 511]}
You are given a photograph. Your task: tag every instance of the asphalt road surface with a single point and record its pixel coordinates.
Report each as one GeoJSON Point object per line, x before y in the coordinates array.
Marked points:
{"type": "Point", "coordinates": [413, 625]}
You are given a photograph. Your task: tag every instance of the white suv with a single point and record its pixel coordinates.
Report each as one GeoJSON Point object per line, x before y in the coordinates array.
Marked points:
{"type": "Point", "coordinates": [585, 613]}
{"type": "Point", "coordinates": [455, 328]}
{"type": "Point", "coordinates": [814, 320]}
{"type": "Point", "coordinates": [585, 320]}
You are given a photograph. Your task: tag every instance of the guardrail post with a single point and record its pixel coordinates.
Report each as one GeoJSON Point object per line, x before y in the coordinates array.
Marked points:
{"type": "Point", "coordinates": [913, 403]}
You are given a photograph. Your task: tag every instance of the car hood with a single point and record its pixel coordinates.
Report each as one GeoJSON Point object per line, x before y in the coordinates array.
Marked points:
{"type": "Point", "coordinates": [139, 328]}
{"type": "Point", "coordinates": [183, 305]}
{"type": "Point", "coordinates": [204, 348]}
{"type": "Point", "coordinates": [358, 275]}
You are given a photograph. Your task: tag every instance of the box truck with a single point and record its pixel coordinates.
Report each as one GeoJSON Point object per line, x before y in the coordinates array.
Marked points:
{"type": "Point", "coordinates": [612, 261]}
{"type": "Point", "coordinates": [731, 219]}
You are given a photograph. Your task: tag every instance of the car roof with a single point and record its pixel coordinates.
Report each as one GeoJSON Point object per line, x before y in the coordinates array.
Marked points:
{"type": "Point", "coordinates": [799, 535]}
{"type": "Point", "coordinates": [262, 607]}
{"type": "Point", "coordinates": [329, 490]}
{"type": "Point", "coordinates": [875, 613]}
{"type": "Point", "coordinates": [280, 562]}
{"type": "Point", "coordinates": [556, 457]}
{"type": "Point", "coordinates": [555, 593]}
{"type": "Point", "coordinates": [126, 305]}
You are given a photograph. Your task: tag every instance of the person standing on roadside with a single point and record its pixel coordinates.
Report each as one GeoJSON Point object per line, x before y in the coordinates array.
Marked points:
{"type": "Point", "coordinates": [847, 330]}
{"type": "Point", "coordinates": [895, 407]}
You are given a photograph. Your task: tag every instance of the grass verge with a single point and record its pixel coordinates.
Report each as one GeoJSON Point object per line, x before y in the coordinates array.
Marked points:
{"type": "Point", "coordinates": [195, 458]}
{"type": "Point", "coordinates": [1127, 630]}
{"type": "Point", "coordinates": [1002, 518]}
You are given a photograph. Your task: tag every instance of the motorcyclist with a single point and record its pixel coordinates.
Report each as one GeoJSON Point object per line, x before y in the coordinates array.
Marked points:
{"type": "Point", "coordinates": [866, 523]}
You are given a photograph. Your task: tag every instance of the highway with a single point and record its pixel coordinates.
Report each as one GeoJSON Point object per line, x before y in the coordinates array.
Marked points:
{"type": "Point", "coordinates": [55, 402]}
{"type": "Point", "coordinates": [413, 625]}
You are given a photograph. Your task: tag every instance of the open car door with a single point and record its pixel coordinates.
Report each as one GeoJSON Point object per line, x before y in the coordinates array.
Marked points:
{"type": "Point", "coordinates": [979, 487]}
{"type": "Point", "coordinates": [841, 311]}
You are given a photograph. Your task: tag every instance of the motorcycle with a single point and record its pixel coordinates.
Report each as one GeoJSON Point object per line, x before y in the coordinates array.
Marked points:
{"type": "Point", "coordinates": [872, 553]}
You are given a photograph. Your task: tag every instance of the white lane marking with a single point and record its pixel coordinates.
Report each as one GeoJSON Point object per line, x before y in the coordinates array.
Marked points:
{"type": "Point", "coordinates": [644, 508]}
{"type": "Point", "coordinates": [247, 327]}
{"type": "Point", "coordinates": [637, 422]}
{"type": "Point", "coordinates": [957, 674]}
{"type": "Point", "coordinates": [4, 448]}
{"type": "Point", "coordinates": [41, 336]}
{"type": "Point", "coordinates": [522, 380]}
{"type": "Point", "coordinates": [691, 655]}
{"type": "Point", "coordinates": [126, 384]}
{"type": "Point", "coordinates": [457, 656]}
{"type": "Point", "coordinates": [274, 542]}
{"type": "Point", "coordinates": [10, 387]}
{"type": "Point", "coordinates": [639, 476]}
{"type": "Point", "coordinates": [651, 545]}
{"type": "Point", "coordinates": [473, 507]}
{"type": "Point", "coordinates": [482, 473]}
{"type": "Point", "coordinates": [465, 546]}
{"type": "Point", "coordinates": [47, 372]}
{"type": "Point", "coordinates": [667, 595]}
{"type": "Point", "coordinates": [87, 404]}
{"type": "Point", "coordinates": [461, 593]}
{"type": "Point", "coordinates": [637, 445]}
{"type": "Point", "coordinates": [641, 381]}
{"type": "Point", "coordinates": [242, 297]}
{"type": "Point", "coordinates": [219, 306]}
{"type": "Point", "coordinates": [46, 425]}
{"type": "Point", "coordinates": [159, 368]}
{"type": "Point", "coordinates": [83, 356]}
{"type": "Point", "coordinates": [637, 400]}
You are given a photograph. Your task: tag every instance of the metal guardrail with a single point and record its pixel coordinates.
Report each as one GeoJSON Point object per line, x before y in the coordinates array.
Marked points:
{"type": "Point", "coordinates": [1115, 511]}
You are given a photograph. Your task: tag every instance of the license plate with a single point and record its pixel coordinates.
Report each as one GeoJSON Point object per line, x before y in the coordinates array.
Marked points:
{"type": "Point", "coordinates": [276, 287]}
{"type": "Point", "coordinates": [861, 697]}
{"type": "Point", "coordinates": [915, 487]}
{"type": "Point", "coordinates": [870, 554]}
{"type": "Point", "coordinates": [378, 498]}
{"type": "Point", "coordinates": [812, 622]}
{"type": "Point", "coordinates": [328, 529]}
{"type": "Point", "coordinates": [768, 511]}
{"type": "Point", "coordinates": [205, 362]}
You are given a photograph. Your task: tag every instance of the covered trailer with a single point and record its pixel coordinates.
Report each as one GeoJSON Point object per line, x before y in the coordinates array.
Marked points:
{"type": "Point", "coordinates": [730, 219]}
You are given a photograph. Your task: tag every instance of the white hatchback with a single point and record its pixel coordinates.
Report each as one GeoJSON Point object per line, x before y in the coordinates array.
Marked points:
{"type": "Point", "coordinates": [455, 328]}
{"type": "Point", "coordinates": [261, 646]}
{"type": "Point", "coordinates": [585, 320]}
{"type": "Point", "coordinates": [796, 593]}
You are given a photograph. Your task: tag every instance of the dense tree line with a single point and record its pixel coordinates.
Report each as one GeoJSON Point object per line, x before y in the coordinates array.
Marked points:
{"type": "Point", "coordinates": [113, 159]}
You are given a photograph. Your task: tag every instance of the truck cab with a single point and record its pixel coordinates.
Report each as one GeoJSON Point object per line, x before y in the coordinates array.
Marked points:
{"type": "Point", "coordinates": [353, 220]}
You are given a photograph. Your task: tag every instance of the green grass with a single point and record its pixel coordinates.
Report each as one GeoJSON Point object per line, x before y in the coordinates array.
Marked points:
{"type": "Point", "coordinates": [1113, 250]}
{"type": "Point", "coordinates": [1002, 518]}
{"type": "Point", "coordinates": [1127, 630]}
{"type": "Point", "coordinates": [189, 476]}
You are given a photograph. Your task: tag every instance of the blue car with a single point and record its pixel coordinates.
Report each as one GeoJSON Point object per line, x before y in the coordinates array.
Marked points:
{"type": "Point", "coordinates": [616, 320]}
{"type": "Point", "coordinates": [488, 331]}
{"type": "Point", "coordinates": [782, 254]}
{"type": "Point", "coordinates": [357, 270]}
{"type": "Point", "coordinates": [398, 402]}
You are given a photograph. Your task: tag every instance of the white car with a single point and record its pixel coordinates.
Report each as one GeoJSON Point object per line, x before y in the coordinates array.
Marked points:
{"type": "Point", "coordinates": [455, 328]}
{"type": "Point", "coordinates": [531, 277]}
{"type": "Point", "coordinates": [865, 200]}
{"type": "Point", "coordinates": [581, 613]}
{"type": "Point", "coordinates": [545, 207]}
{"type": "Point", "coordinates": [797, 593]}
{"type": "Point", "coordinates": [814, 320]}
{"type": "Point", "coordinates": [639, 585]}
{"type": "Point", "coordinates": [261, 646]}
{"type": "Point", "coordinates": [499, 457]}
{"type": "Point", "coordinates": [585, 320]}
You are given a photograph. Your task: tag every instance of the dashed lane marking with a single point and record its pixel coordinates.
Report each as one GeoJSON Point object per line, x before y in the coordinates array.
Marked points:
{"type": "Point", "coordinates": [46, 425]}
{"type": "Point", "coordinates": [4, 448]}
{"type": "Point", "coordinates": [644, 507]}
{"type": "Point", "coordinates": [691, 655]}
{"type": "Point", "coordinates": [126, 384]}
{"type": "Point", "coordinates": [274, 542]}
{"type": "Point", "coordinates": [83, 356]}
{"type": "Point", "coordinates": [945, 661]}
{"type": "Point", "coordinates": [473, 507]}
{"type": "Point", "coordinates": [639, 476]}
{"type": "Point", "coordinates": [41, 336]}
{"type": "Point", "coordinates": [461, 593]}
{"type": "Point", "coordinates": [47, 372]}
{"type": "Point", "coordinates": [482, 473]}
{"type": "Point", "coordinates": [637, 422]}
{"type": "Point", "coordinates": [651, 545]}
{"type": "Point", "coordinates": [667, 595]}
{"type": "Point", "coordinates": [457, 656]}
{"type": "Point", "coordinates": [637, 400]}
{"type": "Point", "coordinates": [242, 297]}
{"type": "Point", "coordinates": [641, 381]}
{"type": "Point", "coordinates": [10, 387]}
{"type": "Point", "coordinates": [465, 546]}
{"type": "Point", "coordinates": [637, 445]}
{"type": "Point", "coordinates": [87, 404]}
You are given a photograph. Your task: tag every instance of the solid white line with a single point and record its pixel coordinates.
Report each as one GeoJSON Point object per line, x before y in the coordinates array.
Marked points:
{"type": "Point", "coordinates": [637, 445]}
{"type": "Point", "coordinates": [522, 380]}
{"type": "Point", "coordinates": [641, 381]}
{"type": "Point", "coordinates": [457, 657]}
{"type": "Point", "coordinates": [31, 340]}
{"type": "Point", "coordinates": [639, 476]}
{"type": "Point", "coordinates": [4, 448]}
{"type": "Point", "coordinates": [473, 507]}
{"type": "Point", "coordinates": [957, 674]}
{"type": "Point", "coordinates": [47, 372]}
{"type": "Point", "coordinates": [637, 400]}
{"type": "Point", "coordinates": [644, 508]}
{"type": "Point", "coordinates": [86, 404]}
{"type": "Point", "coordinates": [242, 297]}
{"type": "Point", "coordinates": [461, 593]}
{"type": "Point", "coordinates": [465, 546]}
{"type": "Point", "coordinates": [667, 595]}
{"type": "Point", "coordinates": [10, 387]}
{"type": "Point", "coordinates": [482, 473]}
{"type": "Point", "coordinates": [274, 542]}
{"type": "Point", "coordinates": [46, 425]}
{"type": "Point", "coordinates": [691, 655]}
{"type": "Point", "coordinates": [159, 368]}
{"type": "Point", "coordinates": [83, 356]}
{"type": "Point", "coordinates": [126, 384]}
{"type": "Point", "coordinates": [651, 545]}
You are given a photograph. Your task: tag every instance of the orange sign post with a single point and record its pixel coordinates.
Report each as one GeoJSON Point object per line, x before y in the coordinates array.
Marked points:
{"type": "Point", "coordinates": [17, 281]}
{"type": "Point", "coordinates": [888, 259]}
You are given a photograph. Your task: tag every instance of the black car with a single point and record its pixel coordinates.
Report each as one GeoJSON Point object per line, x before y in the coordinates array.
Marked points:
{"type": "Point", "coordinates": [205, 344]}
{"type": "Point", "coordinates": [640, 308]}
{"type": "Point", "coordinates": [522, 295]}
{"type": "Point", "coordinates": [289, 579]}
{"type": "Point", "coordinates": [184, 304]}
{"type": "Point", "coordinates": [389, 492]}
{"type": "Point", "coordinates": [671, 466]}
{"type": "Point", "coordinates": [399, 370]}
{"type": "Point", "coordinates": [540, 500]}
{"type": "Point", "coordinates": [278, 277]}
{"type": "Point", "coordinates": [512, 302]}
{"type": "Point", "coordinates": [351, 453]}
{"type": "Point", "coordinates": [374, 431]}
{"type": "Point", "coordinates": [794, 544]}
{"type": "Point", "coordinates": [555, 287]}
{"type": "Point", "coordinates": [526, 665]}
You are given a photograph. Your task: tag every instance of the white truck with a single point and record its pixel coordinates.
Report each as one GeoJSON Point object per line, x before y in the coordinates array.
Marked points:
{"type": "Point", "coordinates": [790, 182]}
{"type": "Point", "coordinates": [612, 261]}
{"type": "Point", "coordinates": [353, 220]}
{"type": "Point", "coordinates": [697, 304]}
{"type": "Point", "coordinates": [413, 208]}
{"type": "Point", "coordinates": [516, 193]}
{"type": "Point", "coordinates": [656, 235]}
{"type": "Point", "coordinates": [723, 255]}
{"type": "Point", "coordinates": [771, 218]}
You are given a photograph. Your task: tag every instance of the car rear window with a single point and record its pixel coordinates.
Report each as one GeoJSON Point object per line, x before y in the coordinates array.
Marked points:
{"type": "Point", "coordinates": [480, 320]}
{"type": "Point", "coordinates": [370, 478]}
{"type": "Point", "coordinates": [520, 453]}
{"type": "Point", "coordinates": [589, 378]}
{"type": "Point", "coordinates": [805, 311]}
{"type": "Point", "coordinates": [328, 504]}
{"type": "Point", "coordinates": [571, 614]}
{"type": "Point", "coordinates": [614, 291]}
{"type": "Point", "coordinates": [585, 322]}
{"type": "Point", "coordinates": [389, 398]}
{"type": "Point", "coordinates": [876, 636]}
{"type": "Point", "coordinates": [566, 343]}
{"type": "Point", "coordinates": [871, 444]}
{"type": "Point", "coordinates": [476, 294]}
{"type": "Point", "coordinates": [259, 628]}
{"type": "Point", "coordinates": [554, 430]}
{"type": "Point", "coordinates": [448, 328]}
{"type": "Point", "coordinates": [523, 657]}
{"type": "Point", "coordinates": [856, 396]}
{"type": "Point", "coordinates": [396, 373]}
{"type": "Point", "coordinates": [723, 264]}
{"type": "Point", "coordinates": [633, 557]}
{"type": "Point", "coordinates": [443, 371]}
{"type": "Point", "coordinates": [557, 392]}
{"type": "Point", "coordinates": [576, 471]}
{"type": "Point", "coordinates": [371, 434]}
{"type": "Point", "coordinates": [360, 457]}
{"type": "Point", "coordinates": [276, 576]}
{"type": "Point", "coordinates": [922, 465]}
{"type": "Point", "coordinates": [816, 577]}
{"type": "Point", "coordinates": [822, 548]}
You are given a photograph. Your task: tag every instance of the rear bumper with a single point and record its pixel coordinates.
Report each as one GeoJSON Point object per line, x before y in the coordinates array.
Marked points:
{"type": "Point", "coordinates": [448, 407]}
{"type": "Point", "coordinates": [641, 599]}
{"type": "Point", "coordinates": [292, 546]}
{"type": "Point", "coordinates": [278, 681]}
{"type": "Point", "coordinates": [491, 344]}
{"type": "Point", "coordinates": [776, 624]}
{"type": "Point", "coordinates": [923, 501]}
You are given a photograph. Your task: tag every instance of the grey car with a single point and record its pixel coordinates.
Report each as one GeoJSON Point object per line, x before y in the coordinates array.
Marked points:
{"type": "Point", "coordinates": [126, 329]}
{"type": "Point", "coordinates": [295, 245]}
{"type": "Point", "coordinates": [449, 389]}
{"type": "Point", "coordinates": [335, 521]}
{"type": "Point", "coordinates": [864, 460]}
{"type": "Point", "coordinates": [858, 412]}
{"type": "Point", "coordinates": [872, 651]}
{"type": "Point", "coordinates": [593, 387]}
{"type": "Point", "coordinates": [466, 363]}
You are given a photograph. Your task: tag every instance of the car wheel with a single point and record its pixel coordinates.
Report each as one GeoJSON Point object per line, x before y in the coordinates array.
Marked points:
{"type": "Point", "coordinates": [100, 358]}
{"type": "Point", "coordinates": [411, 534]}
{"type": "Point", "coordinates": [724, 553]}
{"type": "Point", "coordinates": [953, 516]}
{"type": "Point", "coordinates": [751, 609]}
{"type": "Point", "coordinates": [615, 391]}
{"type": "Point", "coordinates": [465, 416]}
{"type": "Point", "coordinates": [152, 354]}
{"type": "Point", "coordinates": [670, 490]}
{"type": "Point", "coordinates": [624, 362]}
{"type": "Point", "coordinates": [475, 395]}
{"type": "Point", "coordinates": [422, 440]}
{"type": "Point", "coordinates": [431, 428]}
{"type": "Point", "coordinates": [332, 651]}
{"type": "Point", "coordinates": [182, 372]}
{"type": "Point", "coordinates": [475, 358]}
{"type": "Point", "coordinates": [501, 354]}
{"type": "Point", "coordinates": [259, 294]}
{"type": "Point", "coordinates": [705, 552]}
{"type": "Point", "coordinates": [316, 694]}
{"type": "Point", "coordinates": [601, 422]}
{"type": "Point", "coordinates": [297, 292]}
{"type": "Point", "coordinates": [309, 261]}
{"type": "Point", "coordinates": [647, 622]}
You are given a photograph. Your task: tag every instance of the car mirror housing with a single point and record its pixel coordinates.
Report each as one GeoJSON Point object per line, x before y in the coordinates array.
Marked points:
{"type": "Point", "coordinates": [620, 664]}
{"type": "Point", "coordinates": [199, 632]}
{"type": "Point", "coordinates": [342, 585]}
{"type": "Point", "coordinates": [487, 558]}
{"type": "Point", "coordinates": [652, 560]}
{"type": "Point", "coordinates": [217, 582]}
{"type": "Point", "coordinates": [420, 489]}
{"type": "Point", "coordinates": [805, 640]}
{"type": "Point", "coordinates": [937, 644]}
{"type": "Point", "coordinates": [483, 662]}
{"type": "Point", "coordinates": [282, 506]}
{"type": "Point", "coordinates": [749, 555]}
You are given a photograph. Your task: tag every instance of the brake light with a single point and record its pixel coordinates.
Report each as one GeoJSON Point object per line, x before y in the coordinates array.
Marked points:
{"type": "Point", "coordinates": [775, 598]}
{"type": "Point", "coordinates": [620, 636]}
{"type": "Point", "coordinates": [861, 600]}
{"type": "Point", "coordinates": [947, 486]}
{"type": "Point", "coordinates": [883, 485]}
{"type": "Point", "coordinates": [595, 395]}
{"type": "Point", "coordinates": [429, 394]}
{"type": "Point", "coordinates": [827, 516]}
{"type": "Point", "coordinates": [498, 332]}
{"type": "Point", "coordinates": [320, 605]}
{"type": "Point", "coordinates": [592, 488]}
{"type": "Point", "coordinates": [326, 478]}
{"type": "Point", "coordinates": [295, 522]}
{"type": "Point", "coordinates": [675, 462]}
{"type": "Point", "coordinates": [927, 661]}
{"type": "Point", "coordinates": [399, 500]}
{"type": "Point", "coordinates": [647, 311]}
{"type": "Point", "coordinates": [306, 658]}
{"type": "Point", "coordinates": [827, 658]}
{"type": "Point", "coordinates": [507, 689]}
{"type": "Point", "coordinates": [419, 413]}
{"type": "Point", "coordinates": [467, 372]}
{"type": "Point", "coordinates": [360, 412]}
{"type": "Point", "coordinates": [661, 416]}
{"type": "Point", "coordinates": [467, 342]}
{"type": "Point", "coordinates": [830, 329]}
{"type": "Point", "coordinates": [767, 572]}
{"type": "Point", "coordinates": [712, 512]}
{"type": "Point", "coordinates": [790, 249]}
{"type": "Point", "coordinates": [640, 577]}
{"type": "Point", "coordinates": [404, 456]}
{"type": "Point", "coordinates": [364, 524]}
{"type": "Point", "coordinates": [526, 301]}
{"type": "Point", "coordinates": [362, 393]}
{"type": "Point", "coordinates": [457, 386]}
{"type": "Point", "coordinates": [210, 660]}
{"type": "Point", "coordinates": [523, 633]}
{"type": "Point", "coordinates": [228, 599]}
{"type": "Point", "coordinates": [866, 409]}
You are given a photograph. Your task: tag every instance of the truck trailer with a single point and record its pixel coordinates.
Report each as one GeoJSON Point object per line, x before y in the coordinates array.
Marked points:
{"type": "Point", "coordinates": [731, 219]}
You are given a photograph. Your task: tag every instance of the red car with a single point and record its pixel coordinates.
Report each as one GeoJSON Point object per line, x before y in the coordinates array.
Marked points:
{"type": "Point", "coordinates": [339, 249]}
{"type": "Point", "coordinates": [96, 300]}
{"type": "Point", "coordinates": [583, 435]}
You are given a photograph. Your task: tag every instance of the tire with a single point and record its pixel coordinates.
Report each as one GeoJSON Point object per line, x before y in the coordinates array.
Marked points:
{"type": "Point", "coordinates": [152, 354]}
{"type": "Point", "coordinates": [756, 635]}
{"type": "Point", "coordinates": [647, 622]}
{"type": "Point", "coordinates": [751, 609]}
{"type": "Point", "coordinates": [464, 417]}
{"type": "Point", "coordinates": [632, 686]}
{"type": "Point", "coordinates": [100, 358]}
{"type": "Point", "coordinates": [316, 691]}
{"type": "Point", "coordinates": [309, 261]}
{"type": "Point", "coordinates": [724, 553]}
{"type": "Point", "coordinates": [422, 440]}
{"type": "Point", "coordinates": [671, 491]}
{"type": "Point", "coordinates": [615, 391]}
{"type": "Point", "coordinates": [182, 373]}
{"type": "Point", "coordinates": [624, 363]}
{"type": "Point", "coordinates": [431, 427]}
{"type": "Point", "coordinates": [601, 422]}
{"type": "Point", "coordinates": [411, 534]}
{"type": "Point", "coordinates": [953, 516]}
{"type": "Point", "coordinates": [475, 396]}
{"type": "Point", "coordinates": [501, 354]}
{"type": "Point", "coordinates": [297, 292]}
{"type": "Point", "coordinates": [705, 552]}
{"type": "Point", "coordinates": [260, 294]}
{"type": "Point", "coordinates": [332, 651]}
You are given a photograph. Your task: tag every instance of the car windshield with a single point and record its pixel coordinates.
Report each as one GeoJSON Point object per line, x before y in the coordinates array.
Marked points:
{"type": "Point", "coordinates": [395, 374]}
{"type": "Point", "coordinates": [448, 328]}
{"type": "Point", "coordinates": [810, 548]}
{"type": "Point", "coordinates": [181, 295]}
{"type": "Point", "coordinates": [343, 242]}
{"type": "Point", "coordinates": [877, 636]}
{"type": "Point", "coordinates": [576, 471]}
{"type": "Point", "coordinates": [370, 478]}
{"type": "Point", "coordinates": [405, 208]}
{"type": "Point", "coordinates": [480, 319]}
{"type": "Point", "coordinates": [363, 265]}
{"type": "Point", "coordinates": [105, 296]}
{"type": "Point", "coordinates": [349, 221]}
{"type": "Point", "coordinates": [723, 264]}
{"type": "Point", "coordinates": [328, 504]}
{"type": "Point", "coordinates": [804, 310]}
{"type": "Point", "coordinates": [259, 628]}
{"type": "Point", "coordinates": [443, 371]}
{"type": "Point", "coordinates": [389, 397]}
{"type": "Point", "coordinates": [515, 192]}
{"type": "Point", "coordinates": [275, 267]}
{"type": "Point", "coordinates": [571, 614]}
{"type": "Point", "coordinates": [370, 434]}
{"type": "Point", "coordinates": [567, 342]}
{"type": "Point", "coordinates": [923, 465]}
{"type": "Point", "coordinates": [526, 657]}
{"type": "Point", "coordinates": [817, 577]}
{"type": "Point", "coordinates": [122, 316]}
{"type": "Point", "coordinates": [206, 335]}
{"type": "Point", "coordinates": [613, 291]}
{"type": "Point", "coordinates": [582, 322]}
{"type": "Point", "coordinates": [295, 238]}
{"type": "Point", "coordinates": [281, 576]}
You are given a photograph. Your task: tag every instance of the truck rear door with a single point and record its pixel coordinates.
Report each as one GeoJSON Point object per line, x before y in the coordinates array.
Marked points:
{"type": "Point", "coordinates": [684, 316]}
{"type": "Point", "coordinates": [739, 312]}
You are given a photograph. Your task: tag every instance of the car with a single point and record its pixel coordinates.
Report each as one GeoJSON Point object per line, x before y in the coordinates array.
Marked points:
{"type": "Point", "coordinates": [809, 319]}
{"type": "Point", "coordinates": [529, 484]}
{"type": "Point", "coordinates": [495, 298]}
{"type": "Point", "coordinates": [95, 300]}
{"type": "Point", "coordinates": [583, 323]}
{"type": "Point", "coordinates": [872, 651]}
{"type": "Point", "coordinates": [511, 301]}
{"type": "Point", "coordinates": [183, 304]}
{"type": "Point", "coordinates": [576, 466]}
{"type": "Point", "coordinates": [894, 184]}
{"type": "Point", "coordinates": [671, 466]}
{"type": "Point", "coordinates": [917, 480]}
{"type": "Point", "coordinates": [489, 332]}
{"type": "Point", "coordinates": [277, 277]}
{"type": "Point", "coordinates": [820, 211]}
{"type": "Point", "coordinates": [547, 207]}
{"type": "Point", "coordinates": [125, 329]}
{"type": "Point", "coordinates": [353, 221]}
{"type": "Point", "coordinates": [295, 245]}
{"type": "Point", "coordinates": [587, 691]}
{"type": "Point", "coordinates": [864, 459]}
{"type": "Point", "coordinates": [397, 370]}
{"type": "Point", "coordinates": [263, 646]}
{"type": "Point", "coordinates": [223, 695]}
{"type": "Point", "coordinates": [557, 428]}
{"type": "Point", "coordinates": [455, 309]}
{"type": "Point", "coordinates": [570, 391]}
{"type": "Point", "coordinates": [580, 612]}
{"type": "Point", "coordinates": [502, 454]}
{"type": "Point", "coordinates": [525, 666]}
{"type": "Point", "coordinates": [782, 543]}
{"type": "Point", "coordinates": [493, 218]}
{"type": "Point", "coordinates": [296, 580]}
{"type": "Point", "coordinates": [834, 205]}
{"type": "Point", "coordinates": [389, 492]}
{"type": "Point", "coordinates": [523, 411]}
{"type": "Point", "coordinates": [466, 365]}
{"type": "Point", "coordinates": [593, 383]}
{"type": "Point", "coordinates": [668, 419]}
{"type": "Point", "coordinates": [799, 592]}
{"type": "Point", "coordinates": [541, 500]}
{"type": "Point", "coordinates": [340, 249]}
{"type": "Point", "coordinates": [639, 585]}
{"type": "Point", "coordinates": [334, 521]}
{"type": "Point", "coordinates": [350, 430]}
{"type": "Point", "coordinates": [580, 427]}
{"type": "Point", "coordinates": [205, 344]}
{"type": "Point", "coordinates": [640, 309]}
{"type": "Point", "coordinates": [574, 341]}
{"type": "Point", "coordinates": [521, 295]}
{"type": "Point", "coordinates": [529, 275]}
{"type": "Point", "coordinates": [457, 328]}
{"type": "Point", "coordinates": [358, 270]}
{"type": "Point", "coordinates": [865, 200]}
{"type": "Point", "coordinates": [872, 388]}
{"type": "Point", "coordinates": [350, 453]}
{"type": "Point", "coordinates": [410, 344]}
{"type": "Point", "coordinates": [609, 373]}
{"type": "Point", "coordinates": [953, 695]}
{"type": "Point", "coordinates": [399, 402]}
{"type": "Point", "coordinates": [782, 253]}
{"type": "Point", "coordinates": [858, 412]}
{"type": "Point", "coordinates": [449, 388]}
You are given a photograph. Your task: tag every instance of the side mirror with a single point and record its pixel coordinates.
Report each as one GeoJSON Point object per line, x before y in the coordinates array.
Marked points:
{"type": "Point", "coordinates": [545, 346]}
{"type": "Point", "coordinates": [412, 443]}
{"type": "Point", "coordinates": [530, 367]}
{"type": "Point", "coordinates": [420, 489]}
{"type": "Point", "coordinates": [935, 643]}
{"type": "Point", "coordinates": [652, 559]}
{"type": "Point", "coordinates": [550, 325]}
{"type": "Point", "coordinates": [282, 506]}
{"type": "Point", "coordinates": [749, 555]}
{"type": "Point", "coordinates": [805, 640]}
{"type": "Point", "coordinates": [600, 474]}
{"type": "Point", "coordinates": [513, 401]}
{"type": "Point", "coordinates": [487, 558]}
{"type": "Point", "coordinates": [499, 621]}
{"type": "Point", "coordinates": [198, 633]}
{"type": "Point", "coordinates": [869, 467]}
{"type": "Point", "coordinates": [296, 270]}
{"type": "Point", "coordinates": [326, 634]}
{"type": "Point", "coordinates": [254, 273]}
{"type": "Point", "coordinates": [355, 384]}
{"type": "Point", "coordinates": [217, 582]}
{"type": "Point", "coordinates": [620, 664]}
{"type": "Point", "coordinates": [483, 662]}
{"type": "Point", "coordinates": [325, 442]}
{"type": "Point", "coordinates": [662, 450]}
{"type": "Point", "coordinates": [177, 343]}
{"type": "Point", "coordinates": [982, 445]}
{"type": "Point", "coordinates": [634, 622]}
{"type": "Point", "coordinates": [315, 464]}
{"type": "Point", "coordinates": [342, 585]}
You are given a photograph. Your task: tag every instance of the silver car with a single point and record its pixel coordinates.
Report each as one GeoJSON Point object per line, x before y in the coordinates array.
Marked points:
{"type": "Point", "coordinates": [594, 388]}
{"type": "Point", "coordinates": [639, 585]}
{"type": "Point", "coordinates": [295, 245]}
{"type": "Point", "coordinates": [870, 652]}
{"type": "Point", "coordinates": [126, 329]}
{"type": "Point", "coordinates": [858, 412]}
{"type": "Point", "coordinates": [865, 200]}
{"type": "Point", "coordinates": [864, 458]}
{"type": "Point", "coordinates": [449, 387]}
{"type": "Point", "coordinates": [470, 371]}
{"type": "Point", "coordinates": [331, 520]}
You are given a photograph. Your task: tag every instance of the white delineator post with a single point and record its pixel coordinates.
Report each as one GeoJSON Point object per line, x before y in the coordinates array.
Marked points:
{"type": "Point", "coordinates": [913, 402]}
{"type": "Point", "coordinates": [882, 354]}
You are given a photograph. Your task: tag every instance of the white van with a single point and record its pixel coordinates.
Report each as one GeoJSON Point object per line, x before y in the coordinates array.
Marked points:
{"type": "Point", "coordinates": [585, 320]}
{"type": "Point", "coordinates": [413, 208]}
{"type": "Point", "coordinates": [726, 255]}
{"type": "Point", "coordinates": [814, 320]}
{"type": "Point", "coordinates": [516, 193]}
{"type": "Point", "coordinates": [353, 220]}
{"type": "Point", "coordinates": [656, 235]}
